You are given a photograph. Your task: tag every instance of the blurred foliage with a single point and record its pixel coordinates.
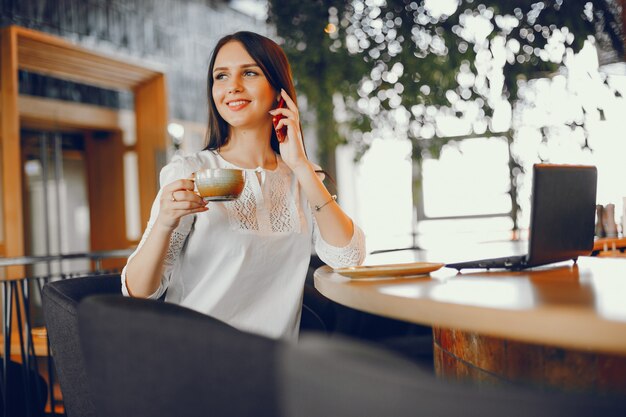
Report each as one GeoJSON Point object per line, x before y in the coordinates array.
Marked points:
{"type": "Point", "coordinates": [370, 66]}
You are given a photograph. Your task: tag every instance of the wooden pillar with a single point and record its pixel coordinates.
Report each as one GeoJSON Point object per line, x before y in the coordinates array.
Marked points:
{"type": "Point", "coordinates": [151, 116]}
{"type": "Point", "coordinates": [105, 176]}
{"type": "Point", "coordinates": [12, 211]}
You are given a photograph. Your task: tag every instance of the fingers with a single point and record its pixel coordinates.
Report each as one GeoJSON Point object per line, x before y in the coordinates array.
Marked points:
{"type": "Point", "coordinates": [183, 196]}
{"type": "Point", "coordinates": [290, 103]}
{"type": "Point", "coordinates": [181, 190]}
{"type": "Point", "coordinates": [180, 195]}
{"type": "Point", "coordinates": [177, 200]}
{"type": "Point", "coordinates": [287, 113]}
{"type": "Point", "coordinates": [286, 123]}
{"type": "Point", "coordinates": [187, 204]}
{"type": "Point", "coordinates": [181, 184]}
{"type": "Point", "coordinates": [291, 111]}
{"type": "Point", "coordinates": [289, 119]}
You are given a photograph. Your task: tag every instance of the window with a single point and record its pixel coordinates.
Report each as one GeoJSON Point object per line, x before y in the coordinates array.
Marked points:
{"type": "Point", "coordinates": [470, 178]}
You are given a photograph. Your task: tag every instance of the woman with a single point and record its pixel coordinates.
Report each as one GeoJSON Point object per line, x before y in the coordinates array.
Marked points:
{"type": "Point", "coordinates": [244, 261]}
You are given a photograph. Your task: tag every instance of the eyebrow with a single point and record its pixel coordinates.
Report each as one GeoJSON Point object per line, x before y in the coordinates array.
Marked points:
{"type": "Point", "coordinates": [241, 66]}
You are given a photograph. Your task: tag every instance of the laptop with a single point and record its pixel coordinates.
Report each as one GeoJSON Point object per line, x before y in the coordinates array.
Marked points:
{"type": "Point", "coordinates": [562, 218]}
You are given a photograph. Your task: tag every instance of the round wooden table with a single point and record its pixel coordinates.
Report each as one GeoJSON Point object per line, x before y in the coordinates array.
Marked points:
{"type": "Point", "coordinates": [561, 325]}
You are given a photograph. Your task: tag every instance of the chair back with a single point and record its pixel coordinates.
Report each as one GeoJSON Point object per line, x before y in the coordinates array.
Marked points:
{"type": "Point", "coordinates": [60, 301]}
{"type": "Point", "coordinates": [324, 376]}
{"type": "Point", "coordinates": [150, 358]}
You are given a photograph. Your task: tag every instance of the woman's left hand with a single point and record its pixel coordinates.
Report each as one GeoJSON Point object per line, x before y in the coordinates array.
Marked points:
{"type": "Point", "coordinates": [292, 148]}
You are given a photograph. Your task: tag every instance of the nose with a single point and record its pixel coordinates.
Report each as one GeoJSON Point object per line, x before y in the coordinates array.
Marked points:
{"type": "Point", "coordinates": [234, 86]}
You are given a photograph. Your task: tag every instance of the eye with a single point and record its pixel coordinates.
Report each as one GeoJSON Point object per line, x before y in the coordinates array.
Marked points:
{"type": "Point", "coordinates": [250, 73]}
{"type": "Point", "coordinates": [219, 76]}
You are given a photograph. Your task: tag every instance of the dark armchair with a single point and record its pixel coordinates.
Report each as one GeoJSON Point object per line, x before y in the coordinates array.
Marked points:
{"type": "Point", "coordinates": [149, 358]}
{"type": "Point", "coordinates": [60, 301]}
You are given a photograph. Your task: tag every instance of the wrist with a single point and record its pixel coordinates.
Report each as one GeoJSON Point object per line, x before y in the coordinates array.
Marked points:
{"type": "Point", "coordinates": [162, 229]}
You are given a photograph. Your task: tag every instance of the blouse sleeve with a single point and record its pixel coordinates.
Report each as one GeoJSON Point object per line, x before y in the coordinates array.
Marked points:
{"type": "Point", "coordinates": [179, 167]}
{"type": "Point", "coordinates": [352, 254]}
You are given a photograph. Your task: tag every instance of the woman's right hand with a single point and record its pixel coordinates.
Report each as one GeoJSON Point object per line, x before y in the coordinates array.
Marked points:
{"type": "Point", "coordinates": [179, 199]}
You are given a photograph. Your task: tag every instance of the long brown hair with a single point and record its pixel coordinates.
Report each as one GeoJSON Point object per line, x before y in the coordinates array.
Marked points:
{"type": "Point", "coordinates": [273, 62]}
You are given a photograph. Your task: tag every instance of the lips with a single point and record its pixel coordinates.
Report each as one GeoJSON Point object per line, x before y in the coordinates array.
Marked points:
{"type": "Point", "coordinates": [237, 104]}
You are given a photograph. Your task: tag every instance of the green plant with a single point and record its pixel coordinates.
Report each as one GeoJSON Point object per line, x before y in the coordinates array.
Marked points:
{"type": "Point", "coordinates": [370, 68]}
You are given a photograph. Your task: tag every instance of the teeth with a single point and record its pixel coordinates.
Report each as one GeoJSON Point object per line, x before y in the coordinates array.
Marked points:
{"type": "Point", "coordinates": [237, 103]}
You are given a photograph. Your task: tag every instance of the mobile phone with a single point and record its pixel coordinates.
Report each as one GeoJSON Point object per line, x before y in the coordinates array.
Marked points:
{"type": "Point", "coordinates": [281, 133]}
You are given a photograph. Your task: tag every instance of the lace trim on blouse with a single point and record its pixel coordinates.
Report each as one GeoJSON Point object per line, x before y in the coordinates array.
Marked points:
{"type": "Point", "coordinates": [284, 213]}
{"type": "Point", "coordinates": [242, 213]}
{"type": "Point", "coordinates": [352, 254]}
{"type": "Point", "coordinates": [178, 239]}
{"type": "Point", "coordinates": [279, 214]}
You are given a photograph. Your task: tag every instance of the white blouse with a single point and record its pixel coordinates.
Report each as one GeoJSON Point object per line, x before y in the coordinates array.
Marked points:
{"type": "Point", "coordinates": [245, 261]}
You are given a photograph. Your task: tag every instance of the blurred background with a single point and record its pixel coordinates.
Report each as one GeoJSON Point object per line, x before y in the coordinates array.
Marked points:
{"type": "Point", "coordinates": [429, 113]}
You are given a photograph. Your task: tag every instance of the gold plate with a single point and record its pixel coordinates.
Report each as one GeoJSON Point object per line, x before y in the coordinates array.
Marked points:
{"type": "Point", "coordinates": [392, 270]}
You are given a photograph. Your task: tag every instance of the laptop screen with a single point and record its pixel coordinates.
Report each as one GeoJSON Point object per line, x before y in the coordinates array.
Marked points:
{"type": "Point", "coordinates": [562, 220]}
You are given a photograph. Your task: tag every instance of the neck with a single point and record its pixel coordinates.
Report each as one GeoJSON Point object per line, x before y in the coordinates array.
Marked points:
{"type": "Point", "coordinates": [249, 149]}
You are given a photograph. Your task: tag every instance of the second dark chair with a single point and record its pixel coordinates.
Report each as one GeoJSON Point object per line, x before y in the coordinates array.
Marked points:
{"type": "Point", "coordinates": [339, 377]}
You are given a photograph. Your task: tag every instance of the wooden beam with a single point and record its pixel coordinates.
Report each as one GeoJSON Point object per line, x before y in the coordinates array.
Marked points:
{"type": "Point", "coordinates": [12, 215]}
{"type": "Point", "coordinates": [49, 55]}
{"type": "Point", "coordinates": [51, 113]}
{"type": "Point", "coordinates": [151, 114]}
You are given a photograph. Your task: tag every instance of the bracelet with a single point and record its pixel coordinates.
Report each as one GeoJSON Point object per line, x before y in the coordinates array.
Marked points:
{"type": "Point", "coordinates": [332, 198]}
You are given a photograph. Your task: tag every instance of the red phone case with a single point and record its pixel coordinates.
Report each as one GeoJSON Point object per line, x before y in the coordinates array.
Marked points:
{"type": "Point", "coordinates": [281, 133]}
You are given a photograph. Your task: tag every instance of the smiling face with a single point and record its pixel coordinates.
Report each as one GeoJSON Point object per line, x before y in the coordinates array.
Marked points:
{"type": "Point", "coordinates": [241, 92]}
